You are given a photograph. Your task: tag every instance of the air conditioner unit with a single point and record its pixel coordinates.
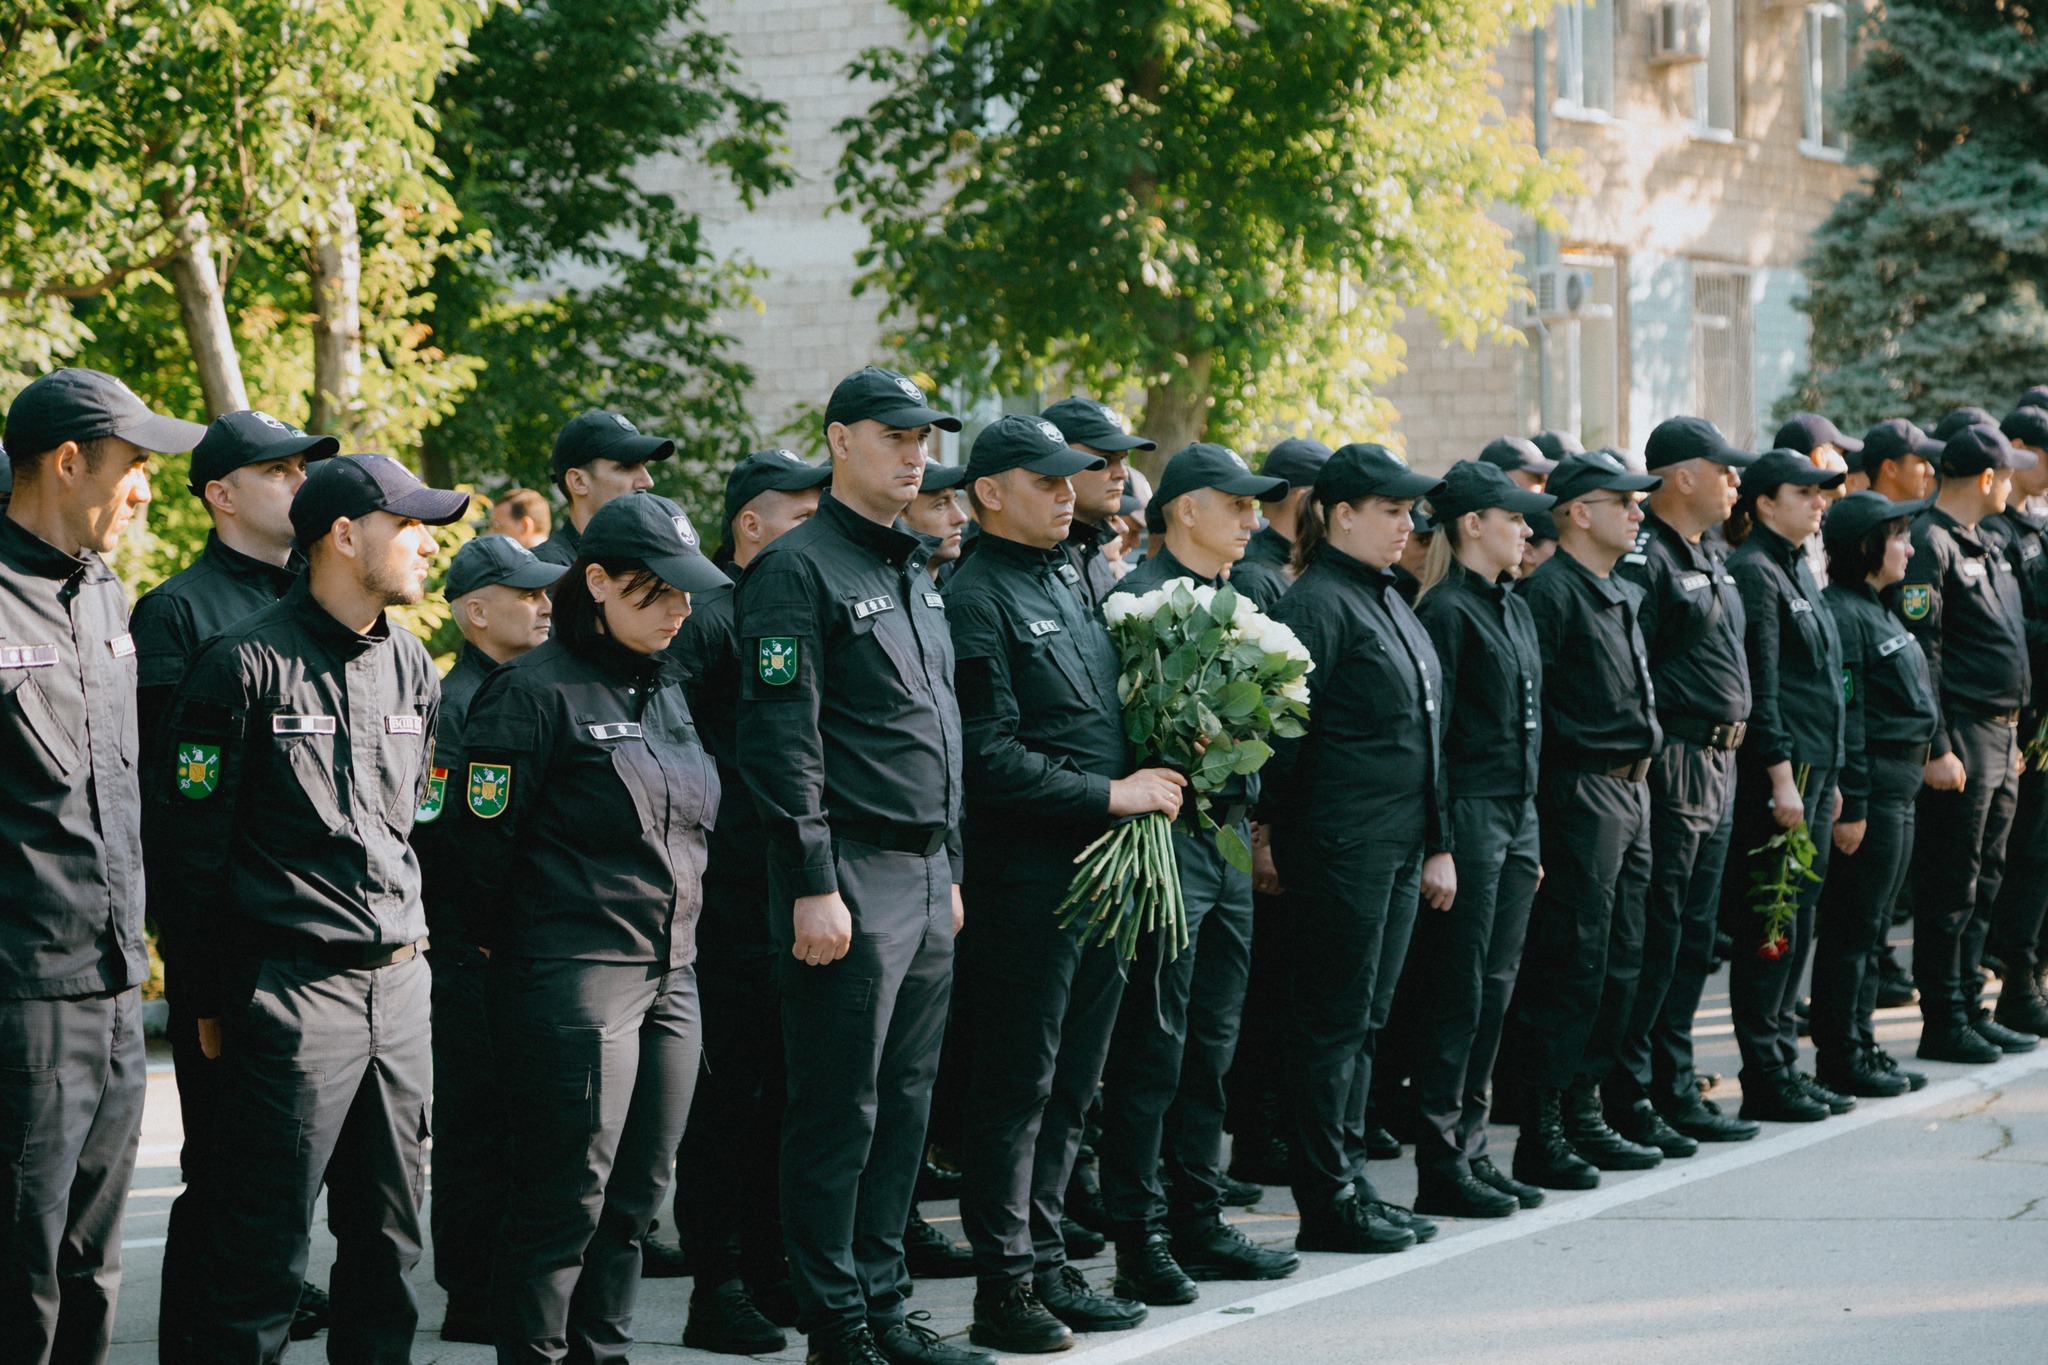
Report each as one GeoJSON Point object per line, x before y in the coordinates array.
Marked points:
{"type": "Point", "coordinates": [1678, 33]}
{"type": "Point", "coordinates": [1562, 291]}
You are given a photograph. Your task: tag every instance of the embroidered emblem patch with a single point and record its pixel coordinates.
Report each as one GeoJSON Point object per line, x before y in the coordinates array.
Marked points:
{"type": "Point", "coordinates": [778, 660]}
{"type": "Point", "coordinates": [490, 787]}
{"type": "Point", "coordinates": [1915, 601]}
{"type": "Point", "coordinates": [198, 770]}
{"type": "Point", "coordinates": [436, 798]}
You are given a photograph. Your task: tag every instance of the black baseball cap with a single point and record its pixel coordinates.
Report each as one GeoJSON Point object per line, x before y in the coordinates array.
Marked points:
{"type": "Point", "coordinates": [1085, 422]}
{"type": "Point", "coordinates": [601, 435]}
{"type": "Point", "coordinates": [1678, 439]}
{"type": "Point", "coordinates": [1363, 469]}
{"type": "Point", "coordinates": [770, 471]}
{"type": "Point", "coordinates": [1895, 439]}
{"type": "Point", "coordinates": [2036, 397]}
{"type": "Point", "coordinates": [1857, 514]}
{"type": "Point", "coordinates": [1959, 418]}
{"type": "Point", "coordinates": [356, 485]}
{"type": "Point", "coordinates": [1475, 485]}
{"type": "Point", "coordinates": [941, 478]}
{"type": "Point", "coordinates": [1542, 526]}
{"type": "Point", "coordinates": [649, 529]}
{"type": "Point", "coordinates": [1512, 454]}
{"type": "Point", "coordinates": [1806, 432]}
{"type": "Point", "coordinates": [2029, 424]}
{"type": "Point", "coordinates": [887, 397]}
{"type": "Point", "coordinates": [1022, 442]}
{"type": "Point", "coordinates": [1776, 468]}
{"type": "Point", "coordinates": [1555, 445]}
{"type": "Point", "coordinates": [86, 405]}
{"type": "Point", "coordinates": [236, 439]}
{"type": "Point", "coordinates": [1978, 447]}
{"type": "Point", "coordinates": [1298, 459]}
{"type": "Point", "coordinates": [1206, 465]}
{"type": "Point", "coordinates": [490, 559]}
{"type": "Point", "coordinates": [1591, 471]}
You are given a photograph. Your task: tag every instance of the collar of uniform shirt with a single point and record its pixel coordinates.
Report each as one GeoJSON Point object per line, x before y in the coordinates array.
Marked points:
{"type": "Point", "coordinates": [648, 670]}
{"type": "Point", "coordinates": [330, 631]}
{"type": "Point", "coordinates": [249, 567]}
{"type": "Point", "coordinates": [1029, 555]}
{"type": "Point", "coordinates": [1776, 546]}
{"type": "Point", "coordinates": [1087, 535]}
{"type": "Point", "coordinates": [896, 548]}
{"type": "Point", "coordinates": [35, 555]}
{"type": "Point", "coordinates": [1609, 588]}
{"type": "Point", "coordinates": [1465, 577]}
{"type": "Point", "coordinates": [1377, 579]}
{"type": "Point", "coordinates": [1694, 551]}
{"type": "Point", "coordinates": [1175, 569]}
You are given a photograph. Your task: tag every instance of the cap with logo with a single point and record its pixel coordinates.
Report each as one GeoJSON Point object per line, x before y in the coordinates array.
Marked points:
{"type": "Point", "coordinates": [1512, 454]}
{"type": "Point", "coordinates": [1958, 418]}
{"type": "Point", "coordinates": [601, 435]}
{"type": "Point", "coordinates": [2028, 424]}
{"type": "Point", "coordinates": [1896, 439]}
{"type": "Point", "coordinates": [87, 405]}
{"type": "Point", "coordinates": [1206, 465]}
{"type": "Point", "coordinates": [770, 471]}
{"type": "Point", "coordinates": [1678, 439]}
{"type": "Point", "coordinates": [1857, 514]}
{"type": "Point", "coordinates": [237, 439]}
{"type": "Point", "coordinates": [1023, 442]}
{"type": "Point", "coordinates": [1298, 459]}
{"type": "Point", "coordinates": [1555, 445]}
{"type": "Point", "coordinates": [1363, 469]}
{"type": "Point", "coordinates": [356, 485]}
{"type": "Point", "coordinates": [1776, 468]}
{"type": "Point", "coordinates": [1979, 447]}
{"type": "Point", "coordinates": [491, 559]}
{"type": "Point", "coordinates": [647, 528]}
{"type": "Point", "coordinates": [1085, 422]}
{"type": "Point", "coordinates": [1594, 471]}
{"type": "Point", "coordinates": [1807, 432]}
{"type": "Point", "coordinates": [887, 397]}
{"type": "Point", "coordinates": [1476, 485]}
{"type": "Point", "coordinates": [941, 478]}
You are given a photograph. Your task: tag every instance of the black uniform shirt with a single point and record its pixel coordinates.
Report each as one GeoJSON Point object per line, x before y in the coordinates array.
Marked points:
{"type": "Point", "coordinates": [1692, 624]}
{"type": "Point", "coordinates": [583, 808]}
{"type": "Point", "coordinates": [2026, 549]}
{"type": "Point", "coordinates": [1888, 697]}
{"type": "Point", "coordinates": [1795, 655]}
{"type": "Point", "coordinates": [1960, 598]}
{"type": "Point", "coordinates": [71, 885]}
{"type": "Point", "coordinates": [1098, 577]}
{"type": "Point", "coordinates": [560, 547]}
{"type": "Point", "coordinates": [302, 753]}
{"type": "Point", "coordinates": [217, 590]}
{"type": "Point", "coordinates": [1493, 681]}
{"type": "Point", "coordinates": [1371, 762]}
{"type": "Point", "coordinates": [442, 866]}
{"type": "Point", "coordinates": [1270, 548]}
{"type": "Point", "coordinates": [1599, 705]}
{"type": "Point", "coordinates": [846, 708]}
{"type": "Point", "coordinates": [1037, 681]}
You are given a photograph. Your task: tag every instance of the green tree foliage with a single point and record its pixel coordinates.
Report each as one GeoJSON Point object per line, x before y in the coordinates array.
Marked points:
{"type": "Point", "coordinates": [595, 292]}
{"type": "Point", "coordinates": [1927, 284]}
{"type": "Point", "coordinates": [1224, 206]}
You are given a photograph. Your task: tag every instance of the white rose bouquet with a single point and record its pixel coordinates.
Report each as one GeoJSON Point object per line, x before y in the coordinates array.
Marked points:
{"type": "Point", "coordinates": [1207, 679]}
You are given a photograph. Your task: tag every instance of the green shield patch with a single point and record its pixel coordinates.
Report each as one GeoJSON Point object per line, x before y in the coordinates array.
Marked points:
{"type": "Point", "coordinates": [198, 770]}
{"type": "Point", "coordinates": [1848, 685]}
{"type": "Point", "coordinates": [778, 660]}
{"type": "Point", "coordinates": [490, 787]}
{"type": "Point", "coordinates": [437, 797]}
{"type": "Point", "coordinates": [1916, 600]}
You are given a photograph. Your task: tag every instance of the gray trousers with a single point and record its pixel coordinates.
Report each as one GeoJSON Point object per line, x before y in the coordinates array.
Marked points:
{"type": "Point", "coordinates": [71, 1088]}
{"type": "Point", "coordinates": [471, 1140]}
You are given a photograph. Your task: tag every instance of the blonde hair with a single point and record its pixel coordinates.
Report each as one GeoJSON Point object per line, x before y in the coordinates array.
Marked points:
{"type": "Point", "coordinates": [1443, 553]}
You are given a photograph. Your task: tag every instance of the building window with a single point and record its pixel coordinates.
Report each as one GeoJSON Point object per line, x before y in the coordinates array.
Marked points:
{"type": "Point", "coordinates": [1824, 53]}
{"type": "Point", "coordinates": [1574, 383]}
{"type": "Point", "coordinates": [1715, 81]}
{"type": "Point", "coordinates": [1585, 55]}
{"type": "Point", "coordinates": [1723, 342]}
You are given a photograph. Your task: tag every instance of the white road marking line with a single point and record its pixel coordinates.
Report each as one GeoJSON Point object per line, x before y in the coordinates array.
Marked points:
{"type": "Point", "coordinates": [1669, 1176]}
{"type": "Point", "coordinates": [137, 1243]}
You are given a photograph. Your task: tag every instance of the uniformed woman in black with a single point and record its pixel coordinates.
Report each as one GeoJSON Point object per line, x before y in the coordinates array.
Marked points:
{"type": "Point", "coordinates": [1359, 830]}
{"type": "Point", "coordinates": [1889, 725]}
{"type": "Point", "coordinates": [1462, 961]}
{"type": "Point", "coordinates": [585, 802]}
{"type": "Point", "coordinates": [1795, 726]}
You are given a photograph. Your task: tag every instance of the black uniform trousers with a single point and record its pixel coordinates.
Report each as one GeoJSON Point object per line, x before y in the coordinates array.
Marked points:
{"type": "Point", "coordinates": [186, 1241]}
{"type": "Point", "coordinates": [71, 1089]}
{"type": "Point", "coordinates": [1254, 1091]}
{"type": "Point", "coordinates": [1959, 866]}
{"type": "Point", "coordinates": [1353, 908]}
{"type": "Point", "coordinates": [599, 1061]}
{"type": "Point", "coordinates": [2015, 929]}
{"type": "Point", "coordinates": [1175, 1036]}
{"type": "Point", "coordinates": [470, 1161]}
{"type": "Point", "coordinates": [1692, 816]}
{"type": "Point", "coordinates": [1584, 947]}
{"type": "Point", "coordinates": [324, 1073]}
{"type": "Point", "coordinates": [1047, 1008]}
{"type": "Point", "coordinates": [861, 1038]}
{"type": "Point", "coordinates": [1855, 912]}
{"type": "Point", "coordinates": [1460, 972]}
{"type": "Point", "coordinates": [1763, 993]}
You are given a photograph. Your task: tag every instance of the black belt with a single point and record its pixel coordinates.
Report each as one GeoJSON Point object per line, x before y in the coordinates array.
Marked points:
{"type": "Point", "coordinates": [1636, 770]}
{"type": "Point", "coordinates": [1704, 733]}
{"type": "Point", "coordinates": [1896, 748]}
{"type": "Point", "coordinates": [1976, 712]}
{"type": "Point", "coordinates": [918, 839]}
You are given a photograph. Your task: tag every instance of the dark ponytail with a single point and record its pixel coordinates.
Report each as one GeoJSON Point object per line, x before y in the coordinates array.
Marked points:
{"type": "Point", "coordinates": [1311, 530]}
{"type": "Point", "coordinates": [1741, 521]}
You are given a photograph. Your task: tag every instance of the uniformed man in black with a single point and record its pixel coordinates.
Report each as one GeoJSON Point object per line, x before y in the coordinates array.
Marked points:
{"type": "Point", "coordinates": [1957, 420]}
{"type": "Point", "coordinates": [1692, 624]}
{"type": "Point", "coordinates": [727, 1205]}
{"type": "Point", "coordinates": [1298, 459]}
{"type": "Point", "coordinates": [1525, 465]}
{"type": "Point", "coordinates": [72, 956]}
{"type": "Point", "coordinates": [849, 739]}
{"type": "Point", "coordinates": [598, 456]}
{"type": "Point", "coordinates": [1555, 445]}
{"type": "Point", "coordinates": [1593, 805]}
{"type": "Point", "coordinates": [2015, 935]}
{"type": "Point", "coordinates": [1898, 460]}
{"type": "Point", "coordinates": [1962, 599]}
{"type": "Point", "coordinates": [498, 593]}
{"type": "Point", "coordinates": [302, 744]}
{"type": "Point", "coordinates": [1176, 1031]}
{"type": "Point", "coordinates": [936, 512]}
{"type": "Point", "coordinates": [245, 471]}
{"type": "Point", "coordinates": [1099, 430]}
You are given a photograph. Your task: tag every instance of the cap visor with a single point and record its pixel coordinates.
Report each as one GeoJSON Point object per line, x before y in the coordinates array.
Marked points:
{"type": "Point", "coordinates": [163, 435]}
{"type": "Point", "coordinates": [2022, 459]}
{"type": "Point", "coordinates": [798, 481]}
{"type": "Point", "coordinates": [906, 419]}
{"type": "Point", "coordinates": [1117, 445]}
{"type": "Point", "coordinates": [1272, 490]}
{"type": "Point", "coordinates": [1539, 465]}
{"type": "Point", "coordinates": [641, 450]}
{"type": "Point", "coordinates": [538, 574]}
{"type": "Point", "coordinates": [433, 506]}
{"type": "Point", "coordinates": [1816, 477]}
{"type": "Point", "coordinates": [1066, 463]}
{"type": "Point", "coordinates": [1737, 459]}
{"type": "Point", "coordinates": [689, 573]}
{"type": "Point", "coordinates": [1409, 485]}
{"type": "Point", "coordinates": [1523, 501]}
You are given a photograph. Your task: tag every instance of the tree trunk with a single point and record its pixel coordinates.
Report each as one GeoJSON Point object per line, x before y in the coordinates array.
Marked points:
{"type": "Point", "coordinates": [1176, 414]}
{"type": "Point", "coordinates": [337, 321]}
{"type": "Point", "coordinates": [195, 278]}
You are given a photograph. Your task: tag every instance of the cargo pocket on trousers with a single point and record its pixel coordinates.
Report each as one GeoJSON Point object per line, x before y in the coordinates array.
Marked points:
{"type": "Point", "coordinates": [848, 984]}
{"type": "Point", "coordinates": [561, 1071]}
{"type": "Point", "coordinates": [28, 1116]}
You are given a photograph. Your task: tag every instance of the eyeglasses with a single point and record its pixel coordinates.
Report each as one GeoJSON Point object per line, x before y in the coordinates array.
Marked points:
{"type": "Point", "coordinates": [1626, 500]}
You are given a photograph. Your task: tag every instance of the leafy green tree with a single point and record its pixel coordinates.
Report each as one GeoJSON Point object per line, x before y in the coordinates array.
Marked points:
{"type": "Point", "coordinates": [1929, 284]}
{"type": "Point", "coordinates": [1224, 207]}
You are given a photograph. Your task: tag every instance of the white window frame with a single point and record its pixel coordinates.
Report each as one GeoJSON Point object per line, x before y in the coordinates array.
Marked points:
{"type": "Point", "coordinates": [1718, 79]}
{"type": "Point", "coordinates": [1584, 68]}
{"type": "Point", "coordinates": [1819, 134]}
{"type": "Point", "coordinates": [1734, 409]}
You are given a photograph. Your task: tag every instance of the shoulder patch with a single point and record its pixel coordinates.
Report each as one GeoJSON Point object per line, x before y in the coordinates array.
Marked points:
{"type": "Point", "coordinates": [436, 798]}
{"type": "Point", "coordinates": [198, 770]}
{"type": "Point", "coordinates": [778, 656]}
{"type": "Point", "coordinates": [490, 789]}
{"type": "Point", "coordinates": [1915, 601]}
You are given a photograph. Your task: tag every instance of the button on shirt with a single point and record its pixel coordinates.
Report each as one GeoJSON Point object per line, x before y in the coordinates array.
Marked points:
{"type": "Point", "coordinates": [1598, 700]}
{"type": "Point", "coordinates": [71, 885]}
{"type": "Point", "coordinates": [1492, 668]}
{"type": "Point", "coordinates": [846, 709]}
{"type": "Point", "coordinates": [1961, 600]}
{"type": "Point", "coordinates": [1795, 655]}
{"type": "Point", "coordinates": [1692, 623]}
{"type": "Point", "coordinates": [301, 755]}
{"type": "Point", "coordinates": [1888, 698]}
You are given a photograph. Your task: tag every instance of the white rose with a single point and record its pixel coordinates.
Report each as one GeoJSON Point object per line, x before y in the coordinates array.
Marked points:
{"type": "Point", "coordinates": [1120, 608]}
{"type": "Point", "coordinates": [1296, 690]}
{"type": "Point", "coordinates": [1204, 595]}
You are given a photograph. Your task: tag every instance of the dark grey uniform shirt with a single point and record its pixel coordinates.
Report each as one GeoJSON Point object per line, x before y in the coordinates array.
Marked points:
{"type": "Point", "coordinates": [442, 871]}
{"type": "Point", "coordinates": [1493, 681]}
{"type": "Point", "coordinates": [1599, 705]}
{"type": "Point", "coordinates": [1692, 624]}
{"type": "Point", "coordinates": [1889, 700]}
{"type": "Point", "coordinates": [1961, 599]}
{"type": "Point", "coordinates": [217, 590]}
{"type": "Point", "coordinates": [1795, 655]}
{"type": "Point", "coordinates": [561, 547]}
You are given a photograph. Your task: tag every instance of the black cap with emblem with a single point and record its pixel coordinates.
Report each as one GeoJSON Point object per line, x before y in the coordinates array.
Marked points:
{"type": "Point", "coordinates": [1678, 439]}
{"type": "Point", "coordinates": [1959, 418]}
{"type": "Point", "coordinates": [87, 405]}
{"type": "Point", "coordinates": [1476, 485]}
{"type": "Point", "coordinates": [1366, 470]}
{"type": "Point", "coordinates": [770, 471]}
{"type": "Point", "coordinates": [1033, 443]}
{"type": "Point", "coordinates": [1298, 459]}
{"type": "Point", "coordinates": [1592, 471]}
{"type": "Point", "coordinates": [237, 439]}
{"type": "Point", "coordinates": [647, 528]}
{"type": "Point", "coordinates": [601, 435]}
{"type": "Point", "coordinates": [1085, 422]}
{"type": "Point", "coordinates": [1204, 465]}
{"type": "Point", "coordinates": [894, 400]}
{"type": "Point", "coordinates": [1857, 514]}
{"type": "Point", "coordinates": [1776, 468]}
{"type": "Point", "coordinates": [493, 559]}
{"type": "Point", "coordinates": [356, 485]}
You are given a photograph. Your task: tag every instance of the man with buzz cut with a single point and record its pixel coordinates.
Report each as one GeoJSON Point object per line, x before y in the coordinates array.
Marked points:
{"type": "Point", "coordinates": [1099, 430]}
{"type": "Point", "coordinates": [598, 456]}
